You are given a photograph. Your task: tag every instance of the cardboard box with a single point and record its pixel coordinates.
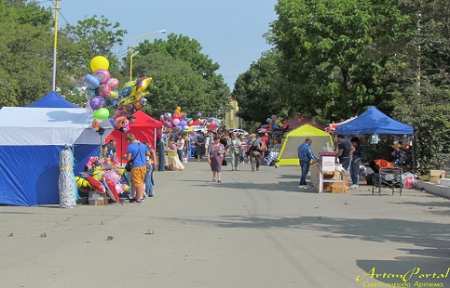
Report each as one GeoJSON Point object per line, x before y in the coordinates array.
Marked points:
{"type": "Point", "coordinates": [436, 176]}
{"type": "Point", "coordinates": [97, 199]}
{"type": "Point", "coordinates": [339, 187]}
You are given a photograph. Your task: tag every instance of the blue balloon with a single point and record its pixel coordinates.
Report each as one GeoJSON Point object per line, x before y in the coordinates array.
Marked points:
{"type": "Point", "coordinates": [125, 92]}
{"type": "Point", "coordinates": [91, 93]}
{"type": "Point", "coordinates": [91, 81]}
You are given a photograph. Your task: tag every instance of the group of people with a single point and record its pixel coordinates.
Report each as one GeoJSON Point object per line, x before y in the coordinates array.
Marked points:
{"type": "Point", "coordinates": [348, 152]}
{"type": "Point", "coordinates": [141, 160]}
{"type": "Point", "coordinates": [238, 148]}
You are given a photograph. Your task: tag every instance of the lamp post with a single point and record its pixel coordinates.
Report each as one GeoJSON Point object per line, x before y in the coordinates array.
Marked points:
{"type": "Point", "coordinates": [135, 53]}
{"type": "Point", "coordinates": [56, 7]}
{"type": "Point", "coordinates": [132, 55]}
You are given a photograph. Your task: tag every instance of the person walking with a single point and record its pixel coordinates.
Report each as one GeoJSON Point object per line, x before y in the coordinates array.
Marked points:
{"type": "Point", "coordinates": [305, 155]}
{"type": "Point", "coordinates": [344, 151]}
{"type": "Point", "coordinates": [355, 162]}
{"type": "Point", "coordinates": [215, 159]}
{"type": "Point", "coordinates": [235, 151]}
{"type": "Point", "coordinates": [161, 155]}
{"type": "Point", "coordinates": [149, 179]}
{"type": "Point", "coordinates": [137, 155]}
{"type": "Point", "coordinates": [254, 151]}
{"type": "Point", "coordinates": [181, 142]}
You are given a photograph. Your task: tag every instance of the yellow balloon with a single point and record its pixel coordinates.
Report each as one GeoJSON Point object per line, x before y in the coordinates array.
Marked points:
{"type": "Point", "coordinates": [145, 83]}
{"type": "Point", "coordinates": [114, 95]}
{"type": "Point", "coordinates": [99, 63]}
{"type": "Point", "coordinates": [130, 84]}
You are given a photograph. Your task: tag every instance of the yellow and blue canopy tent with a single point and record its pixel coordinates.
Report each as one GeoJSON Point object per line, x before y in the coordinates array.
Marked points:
{"type": "Point", "coordinates": [321, 141]}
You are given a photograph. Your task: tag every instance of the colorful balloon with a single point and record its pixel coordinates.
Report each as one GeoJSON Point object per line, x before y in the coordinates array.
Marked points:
{"type": "Point", "coordinates": [176, 121]}
{"type": "Point", "coordinates": [99, 63]}
{"type": "Point", "coordinates": [101, 114]}
{"type": "Point", "coordinates": [103, 76]}
{"type": "Point", "coordinates": [104, 91]}
{"type": "Point", "coordinates": [97, 102]}
{"type": "Point", "coordinates": [144, 84]}
{"type": "Point", "coordinates": [91, 81]}
{"type": "Point", "coordinates": [114, 94]}
{"type": "Point", "coordinates": [125, 92]}
{"type": "Point", "coordinates": [113, 83]}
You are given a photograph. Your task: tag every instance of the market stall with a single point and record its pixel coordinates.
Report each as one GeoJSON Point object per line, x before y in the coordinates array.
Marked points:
{"type": "Point", "coordinates": [144, 127]}
{"type": "Point", "coordinates": [321, 141]}
{"type": "Point", "coordinates": [52, 100]}
{"type": "Point", "coordinates": [31, 140]}
{"type": "Point", "coordinates": [375, 123]}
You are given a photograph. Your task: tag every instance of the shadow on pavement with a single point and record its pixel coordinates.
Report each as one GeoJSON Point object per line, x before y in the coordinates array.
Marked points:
{"type": "Point", "coordinates": [434, 238]}
{"type": "Point", "coordinates": [432, 207]}
{"type": "Point", "coordinates": [291, 186]}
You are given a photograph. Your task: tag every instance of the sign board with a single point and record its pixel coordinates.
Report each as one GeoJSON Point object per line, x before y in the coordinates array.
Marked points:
{"type": "Point", "coordinates": [328, 163]}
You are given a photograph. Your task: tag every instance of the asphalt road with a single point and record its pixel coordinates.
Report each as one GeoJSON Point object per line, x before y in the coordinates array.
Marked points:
{"type": "Point", "coordinates": [254, 230]}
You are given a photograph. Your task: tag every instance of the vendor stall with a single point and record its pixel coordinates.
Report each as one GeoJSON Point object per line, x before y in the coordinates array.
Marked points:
{"type": "Point", "coordinates": [321, 141]}
{"type": "Point", "coordinates": [144, 127]}
{"type": "Point", "coordinates": [30, 143]}
{"type": "Point", "coordinates": [374, 123]}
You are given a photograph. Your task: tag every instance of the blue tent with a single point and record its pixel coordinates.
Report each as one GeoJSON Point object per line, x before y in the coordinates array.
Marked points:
{"type": "Point", "coordinates": [373, 121]}
{"type": "Point", "coordinates": [52, 100]}
{"type": "Point", "coordinates": [30, 142]}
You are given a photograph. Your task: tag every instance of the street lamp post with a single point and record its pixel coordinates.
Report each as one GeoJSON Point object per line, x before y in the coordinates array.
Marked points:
{"type": "Point", "coordinates": [57, 7]}
{"type": "Point", "coordinates": [132, 55]}
{"type": "Point", "coordinates": [135, 53]}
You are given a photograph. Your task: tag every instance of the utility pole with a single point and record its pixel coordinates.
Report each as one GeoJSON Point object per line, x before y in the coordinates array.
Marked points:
{"type": "Point", "coordinates": [56, 8]}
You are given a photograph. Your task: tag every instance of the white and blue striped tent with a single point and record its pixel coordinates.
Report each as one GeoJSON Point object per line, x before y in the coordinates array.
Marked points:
{"type": "Point", "coordinates": [30, 142]}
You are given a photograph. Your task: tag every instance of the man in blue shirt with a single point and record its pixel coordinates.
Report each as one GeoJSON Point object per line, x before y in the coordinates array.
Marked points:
{"type": "Point", "coordinates": [305, 155]}
{"type": "Point", "coordinates": [137, 153]}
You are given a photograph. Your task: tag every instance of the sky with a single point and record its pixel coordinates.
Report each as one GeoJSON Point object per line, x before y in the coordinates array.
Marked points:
{"type": "Point", "coordinates": [230, 31]}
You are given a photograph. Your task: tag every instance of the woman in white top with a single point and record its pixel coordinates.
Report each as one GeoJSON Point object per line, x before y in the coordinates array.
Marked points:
{"type": "Point", "coordinates": [235, 151]}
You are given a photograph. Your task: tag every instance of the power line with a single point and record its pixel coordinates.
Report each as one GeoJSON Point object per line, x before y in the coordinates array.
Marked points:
{"type": "Point", "coordinates": [64, 18]}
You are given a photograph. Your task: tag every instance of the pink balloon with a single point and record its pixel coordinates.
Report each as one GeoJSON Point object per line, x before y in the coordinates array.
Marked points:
{"type": "Point", "coordinates": [103, 76]}
{"type": "Point", "coordinates": [113, 83]}
{"type": "Point", "coordinates": [176, 121]}
{"type": "Point", "coordinates": [105, 90]}
{"type": "Point", "coordinates": [119, 188]}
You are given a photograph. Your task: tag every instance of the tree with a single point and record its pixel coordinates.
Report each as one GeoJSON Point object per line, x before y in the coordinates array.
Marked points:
{"type": "Point", "coordinates": [25, 64]}
{"type": "Point", "coordinates": [175, 84]}
{"type": "Point", "coordinates": [259, 90]}
{"type": "Point", "coordinates": [334, 53]}
{"type": "Point", "coordinates": [79, 43]}
{"type": "Point", "coordinates": [183, 76]}
{"type": "Point", "coordinates": [421, 92]}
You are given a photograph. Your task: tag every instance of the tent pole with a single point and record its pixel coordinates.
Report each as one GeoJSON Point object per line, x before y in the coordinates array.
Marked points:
{"type": "Point", "coordinates": [414, 159]}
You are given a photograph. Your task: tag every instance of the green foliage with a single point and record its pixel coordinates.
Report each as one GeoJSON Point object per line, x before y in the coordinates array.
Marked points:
{"type": "Point", "coordinates": [79, 43]}
{"type": "Point", "coordinates": [335, 53]}
{"type": "Point", "coordinates": [25, 62]}
{"type": "Point", "coordinates": [182, 75]}
{"type": "Point", "coordinates": [26, 47]}
{"type": "Point", "coordinates": [259, 90]}
{"type": "Point", "coordinates": [338, 56]}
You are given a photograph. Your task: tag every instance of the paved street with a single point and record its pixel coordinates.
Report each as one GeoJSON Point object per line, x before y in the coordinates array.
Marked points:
{"type": "Point", "coordinates": [254, 230]}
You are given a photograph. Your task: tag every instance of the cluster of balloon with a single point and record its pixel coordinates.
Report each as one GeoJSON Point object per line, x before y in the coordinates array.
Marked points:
{"type": "Point", "coordinates": [102, 89]}
{"type": "Point", "coordinates": [132, 99]}
{"type": "Point", "coordinates": [176, 120]}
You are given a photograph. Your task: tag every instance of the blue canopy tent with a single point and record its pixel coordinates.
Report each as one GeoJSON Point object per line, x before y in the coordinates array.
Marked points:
{"type": "Point", "coordinates": [52, 100]}
{"type": "Point", "coordinates": [30, 142]}
{"type": "Point", "coordinates": [373, 121]}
